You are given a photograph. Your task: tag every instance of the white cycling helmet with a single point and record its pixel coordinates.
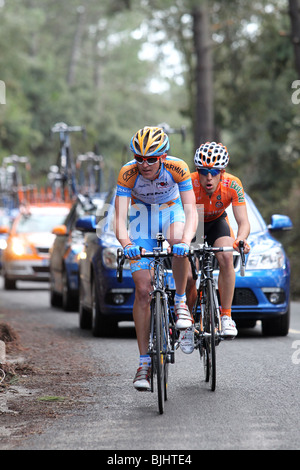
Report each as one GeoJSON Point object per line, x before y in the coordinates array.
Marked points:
{"type": "Point", "coordinates": [211, 155]}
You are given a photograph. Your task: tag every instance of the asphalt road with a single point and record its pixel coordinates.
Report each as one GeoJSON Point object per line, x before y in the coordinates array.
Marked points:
{"type": "Point", "coordinates": [255, 405]}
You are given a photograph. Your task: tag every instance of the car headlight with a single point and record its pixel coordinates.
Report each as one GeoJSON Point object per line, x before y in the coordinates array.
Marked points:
{"type": "Point", "coordinates": [3, 244]}
{"type": "Point", "coordinates": [270, 259]}
{"type": "Point", "coordinates": [109, 257]}
{"type": "Point", "coordinates": [19, 248]}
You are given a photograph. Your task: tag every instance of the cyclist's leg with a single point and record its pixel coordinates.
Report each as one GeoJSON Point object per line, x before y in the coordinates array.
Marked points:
{"type": "Point", "coordinates": [226, 280]}
{"type": "Point", "coordinates": [141, 308]}
{"type": "Point", "coordinates": [141, 317]}
{"type": "Point", "coordinates": [191, 290]}
{"type": "Point", "coordinates": [173, 222]}
{"type": "Point", "coordinates": [180, 266]}
{"type": "Point", "coordinates": [222, 235]}
{"type": "Point", "coordinates": [139, 234]}
{"type": "Point", "coordinates": [139, 229]}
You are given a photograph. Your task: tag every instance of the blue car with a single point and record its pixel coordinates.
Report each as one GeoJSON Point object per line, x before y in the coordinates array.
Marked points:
{"type": "Point", "coordinates": [262, 294]}
{"type": "Point", "coordinates": [65, 251]}
{"type": "Point", "coordinates": [103, 301]}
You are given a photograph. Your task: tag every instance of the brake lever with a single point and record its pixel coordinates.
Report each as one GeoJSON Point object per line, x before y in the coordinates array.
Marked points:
{"type": "Point", "coordinates": [192, 262]}
{"type": "Point", "coordinates": [120, 262]}
{"type": "Point", "coordinates": [243, 263]}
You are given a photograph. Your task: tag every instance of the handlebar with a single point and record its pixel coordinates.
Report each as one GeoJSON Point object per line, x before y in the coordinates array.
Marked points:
{"type": "Point", "coordinates": [211, 249]}
{"type": "Point", "coordinates": [193, 251]}
{"type": "Point", "coordinates": [149, 254]}
{"type": "Point", "coordinates": [62, 127]}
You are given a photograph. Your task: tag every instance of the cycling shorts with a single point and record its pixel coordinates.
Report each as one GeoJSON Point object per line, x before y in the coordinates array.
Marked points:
{"type": "Point", "coordinates": [217, 228]}
{"type": "Point", "coordinates": [146, 220]}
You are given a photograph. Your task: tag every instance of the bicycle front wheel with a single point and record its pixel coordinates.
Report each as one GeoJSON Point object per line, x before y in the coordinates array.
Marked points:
{"type": "Point", "coordinates": [160, 353]}
{"type": "Point", "coordinates": [210, 366]}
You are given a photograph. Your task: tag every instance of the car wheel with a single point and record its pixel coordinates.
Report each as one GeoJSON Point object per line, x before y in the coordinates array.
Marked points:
{"type": "Point", "coordinates": [85, 315]}
{"type": "Point", "coordinates": [9, 284]}
{"type": "Point", "coordinates": [277, 326]}
{"type": "Point", "coordinates": [69, 301]}
{"type": "Point", "coordinates": [55, 297]}
{"type": "Point", "coordinates": [102, 326]}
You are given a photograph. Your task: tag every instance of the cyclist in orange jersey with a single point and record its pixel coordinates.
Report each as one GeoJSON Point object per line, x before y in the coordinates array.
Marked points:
{"type": "Point", "coordinates": [216, 190]}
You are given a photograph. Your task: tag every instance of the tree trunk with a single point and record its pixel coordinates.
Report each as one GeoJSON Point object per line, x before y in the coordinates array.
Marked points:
{"type": "Point", "coordinates": [76, 46]}
{"type": "Point", "coordinates": [294, 12]}
{"type": "Point", "coordinates": [204, 113]}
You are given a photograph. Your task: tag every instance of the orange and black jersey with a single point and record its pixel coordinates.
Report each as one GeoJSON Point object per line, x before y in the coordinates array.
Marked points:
{"type": "Point", "coordinates": [229, 191]}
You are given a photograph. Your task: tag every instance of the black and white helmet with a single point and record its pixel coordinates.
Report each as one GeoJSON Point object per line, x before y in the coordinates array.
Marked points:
{"type": "Point", "coordinates": [211, 155]}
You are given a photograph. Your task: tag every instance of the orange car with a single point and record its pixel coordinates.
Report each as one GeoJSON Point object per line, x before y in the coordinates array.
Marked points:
{"type": "Point", "coordinates": [27, 254]}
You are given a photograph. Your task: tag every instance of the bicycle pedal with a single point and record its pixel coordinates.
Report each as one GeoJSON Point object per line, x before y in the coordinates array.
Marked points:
{"type": "Point", "coordinates": [170, 358]}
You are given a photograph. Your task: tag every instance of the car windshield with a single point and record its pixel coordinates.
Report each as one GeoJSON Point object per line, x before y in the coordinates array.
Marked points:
{"type": "Point", "coordinates": [255, 222]}
{"type": "Point", "coordinates": [4, 220]}
{"type": "Point", "coordinates": [39, 222]}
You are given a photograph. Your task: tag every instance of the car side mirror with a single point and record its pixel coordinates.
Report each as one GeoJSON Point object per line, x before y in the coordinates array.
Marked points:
{"type": "Point", "coordinates": [86, 224]}
{"type": "Point", "coordinates": [280, 222]}
{"type": "Point", "coordinates": [60, 230]}
{"type": "Point", "coordinates": [4, 229]}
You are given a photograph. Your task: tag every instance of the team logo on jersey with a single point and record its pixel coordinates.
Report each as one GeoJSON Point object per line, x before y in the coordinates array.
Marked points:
{"type": "Point", "coordinates": [130, 173]}
{"type": "Point", "coordinates": [234, 185]}
{"type": "Point", "coordinates": [178, 169]}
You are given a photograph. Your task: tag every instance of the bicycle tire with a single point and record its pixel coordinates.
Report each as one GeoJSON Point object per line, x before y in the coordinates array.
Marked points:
{"type": "Point", "coordinates": [159, 353]}
{"type": "Point", "coordinates": [203, 327]}
{"type": "Point", "coordinates": [209, 339]}
{"type": "Point", "coordinates": [152, 346]}
{"type": "Point", "coordinates": [206, 362]}
{"type": "Point", "coordinates": [166, 352]}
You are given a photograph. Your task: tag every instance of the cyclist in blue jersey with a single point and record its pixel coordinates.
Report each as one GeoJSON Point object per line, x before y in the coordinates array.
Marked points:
{"type": "Point", "coordinates": [162, 200]}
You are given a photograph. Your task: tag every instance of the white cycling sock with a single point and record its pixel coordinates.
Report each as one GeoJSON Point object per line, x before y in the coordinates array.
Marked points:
{"type": "Point", "coordinates": [145, 360]}
{"type": "Point", "coordinates": [178, 299]}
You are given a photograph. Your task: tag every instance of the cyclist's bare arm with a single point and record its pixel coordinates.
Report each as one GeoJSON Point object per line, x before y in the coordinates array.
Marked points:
{"type": "Point", "coordinates": [191, 216]}
{"type": "Point", "coordinates": [241, 217]}
{"type": "Point", "coordinates": [120, 220]}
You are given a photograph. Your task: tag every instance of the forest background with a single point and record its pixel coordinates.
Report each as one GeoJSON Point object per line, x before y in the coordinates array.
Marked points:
{"type": "Point", "coordinates": [224, 70]}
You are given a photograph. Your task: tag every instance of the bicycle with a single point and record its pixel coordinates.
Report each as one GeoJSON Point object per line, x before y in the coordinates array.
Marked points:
{"type": "Point", "coordinates": [162, 321]}
{"type": "Point", "coordinates": [206, 311]}
{"type": "Point", "coordinates": [64, 174]}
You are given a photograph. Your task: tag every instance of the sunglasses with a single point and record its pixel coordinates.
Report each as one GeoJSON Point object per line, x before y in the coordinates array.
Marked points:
{"type": "Point", "coordinates": [149, 160]}
{"type": "Point", "coordinates": [213, 172]}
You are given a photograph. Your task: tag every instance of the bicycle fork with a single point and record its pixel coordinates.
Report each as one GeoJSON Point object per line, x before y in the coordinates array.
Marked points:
{"type": "Point", "coordinates": [168, 348]}
{"type": "Point", "coordinates": [200, 335]}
